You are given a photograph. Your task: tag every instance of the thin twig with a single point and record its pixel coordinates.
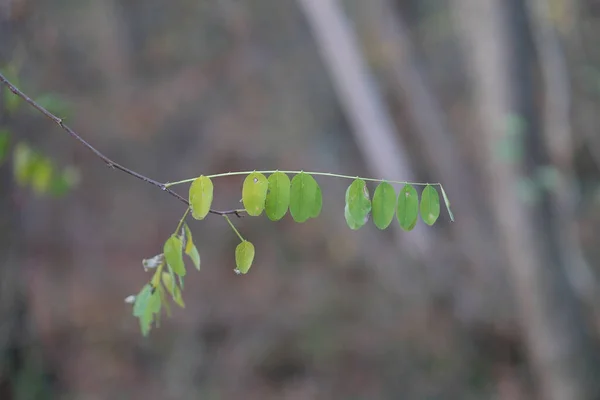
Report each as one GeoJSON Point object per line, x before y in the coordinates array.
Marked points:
{"type": "Point", "coordinates": [107, 161]}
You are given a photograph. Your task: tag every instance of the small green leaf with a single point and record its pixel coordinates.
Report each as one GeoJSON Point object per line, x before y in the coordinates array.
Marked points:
{"type": "Point", "coordinates": [4, 143]}
{"type": "Point", "coordinates": [304, 197]}
{"type": "Point", "coordinates": [384, 205]}
{"type": "Point", "coordinates": [173, 255]}
{"type": "Point", "coordinates": [318, 204]}
{"type": "Point", "coordinates": [173, 289]}
{"type": "Point", "coordinates": [244, 255]}
{"type": "Point", "coordinates": [358, 201]}
{"type": "Point", "coordinates": [190, 247]}
{"type": "Point", "coordinates": [254, 193]}
{"type": "Point", "coordinates": [201, 196]}
{"type": "Point", "coordinates": [408, 207]}
{"type": "Point", "coordinates": [278, 196]}
{"type": "Point", "coordinates": [430, 205]}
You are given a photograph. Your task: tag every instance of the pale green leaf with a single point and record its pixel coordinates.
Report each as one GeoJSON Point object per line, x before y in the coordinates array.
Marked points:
{"type": "Point", "coordinates": [278, 196]}
{"type": "Point", "coordinates": [24, 160]}
{"type": "Point", "coordinates": [244, 255]}
{"type": "Point", "coordinates": [254, 193]}
{"type": "Point", "coordinates": [358, 201]}
{"type": "Point", "coordinates": [41, 175]}
{"type": "Point", "coordinates": [304, 197]}
{"type": "Point", "coordinates": [384, 205]}
{"type": "Point", "coordinates": [352, 223]}
{"type": "Point", "coordinates": [201, 196]}
{"type": "Point", "coordinates": [430, 205]}
{"type": "Point", "coordinates": [173, 255]}
{"type": "Point", "coordinates": [408, 207]}
{"type": "Point", "coordinates": [447, 202]}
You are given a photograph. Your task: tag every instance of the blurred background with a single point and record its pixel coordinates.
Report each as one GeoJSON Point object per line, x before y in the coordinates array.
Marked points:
{"type": "Point", "coordinates": [496, 99]}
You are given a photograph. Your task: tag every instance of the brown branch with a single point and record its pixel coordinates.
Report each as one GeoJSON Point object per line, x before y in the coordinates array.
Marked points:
{"type": "Point", "coordinates": [107, 161]}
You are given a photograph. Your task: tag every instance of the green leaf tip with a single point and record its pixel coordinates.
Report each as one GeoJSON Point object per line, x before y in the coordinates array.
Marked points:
{"type": "Point", "coordinates": [201, 197]}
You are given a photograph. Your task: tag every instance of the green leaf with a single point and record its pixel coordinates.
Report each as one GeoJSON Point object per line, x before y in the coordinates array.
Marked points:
{"type": "Point", "coordinates": [278, 196]}
{"type": "Point", "coordinates": [141, 301]}
{"type": "Point", "coordinates": [244, 255]}
{"type": "Point", "coordinates": [304, 197]}
{"type": "Point", "coordinates": [190, 247]}
{"type": "Point", "coordinates": [384, 205]}
{"type": "Point", "coordinates": [153, 307]}
{"type": "Point", "coordinates": [4, 143]}
{"type": "Point", "coordinates": [408, 207]}
{"type": "Point", "coordinates": [254, 193]}
{"type": "Point", "coordinates": [201, 196]}
{"type": "Point", "coordinates": [173, 289]}
{"type": "Point", "coordinates": [173, 255]}
{"type": "Point", "coordinates": [358, 201]}
{"type": "Point", "coordinates": [430, 205]}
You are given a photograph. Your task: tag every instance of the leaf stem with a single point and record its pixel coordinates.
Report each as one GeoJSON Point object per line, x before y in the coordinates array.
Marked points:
{"type": "Point", "coordinates": [182, 219]}
{"type": "Point", "coordinates": [233, 227]}
{"type": "Point", "coordinates": [169, 184]}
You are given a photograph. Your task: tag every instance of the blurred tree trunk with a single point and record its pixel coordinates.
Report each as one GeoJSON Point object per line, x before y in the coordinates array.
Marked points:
{"type": "Point", "coordinates": [499, 51]}
{"type": "Point", "coordinates": [372, 126]}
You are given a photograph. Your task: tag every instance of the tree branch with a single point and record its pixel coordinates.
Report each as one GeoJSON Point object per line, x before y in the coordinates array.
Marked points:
{"type": "Point", "coordinates": [107, 161]}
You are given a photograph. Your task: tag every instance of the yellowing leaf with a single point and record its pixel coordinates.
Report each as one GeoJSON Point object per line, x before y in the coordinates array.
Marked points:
{"type": "Point", "coordinates": [173, 289]}
{"type": "Point", "coordinates": [190, 247]}
{"type": "Point", "coordinates": [201, 196]}
{"type": "Point", "coordinates": [244, 255]}
{"type": "Point", "coordinates": [304, 197]}
{"type": "Point", "coordinates": [384, 205]}
{"type": "Point", "coordinates": [254, 193]}
{"type": "Point", "coordinates": [408, 207]}
{"type": "Point", "coordinates": [24, 160]}
{"type": "Point", "coordinates": [41, 175]}
{"type": "Point", "coordinates": [173, 255]}
{"type": "Point", "coordinates": [278, 196]}
{"type": "Point", "coordinates": [430, 205]}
